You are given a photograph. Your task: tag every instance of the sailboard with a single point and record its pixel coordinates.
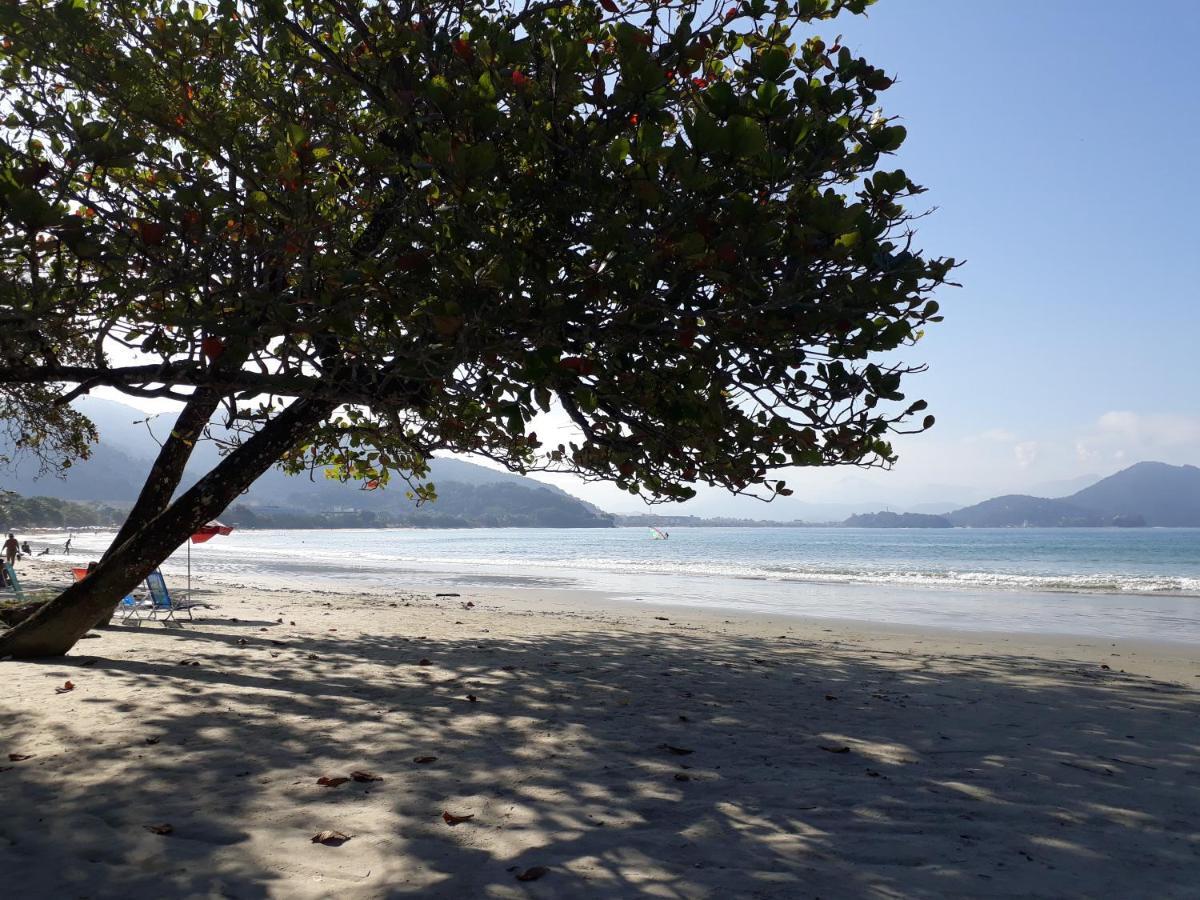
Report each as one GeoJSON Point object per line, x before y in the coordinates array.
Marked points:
{"type": "Point", "coordinates": [657, 534]}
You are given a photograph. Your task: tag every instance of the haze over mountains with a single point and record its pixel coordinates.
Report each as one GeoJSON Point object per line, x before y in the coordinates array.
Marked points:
{"type": "Point", "coordinates": [1148, 493]}
{"type": "Point", "coordinates": [468, 494]}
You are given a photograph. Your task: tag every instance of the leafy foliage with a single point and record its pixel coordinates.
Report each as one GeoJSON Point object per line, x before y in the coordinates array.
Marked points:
{"type": "Point", "coordinates": [668, 220]}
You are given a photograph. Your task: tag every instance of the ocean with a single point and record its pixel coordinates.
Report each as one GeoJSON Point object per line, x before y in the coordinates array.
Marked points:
{"type": "Point", "coordinates": [1139, 583]}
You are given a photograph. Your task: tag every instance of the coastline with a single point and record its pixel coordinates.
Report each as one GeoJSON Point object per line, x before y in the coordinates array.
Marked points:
{"type": "Point", "coordinates": [632, 750]}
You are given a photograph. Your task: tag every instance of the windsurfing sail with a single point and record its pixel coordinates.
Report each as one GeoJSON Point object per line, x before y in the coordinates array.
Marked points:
{"type": "Point", "coordinates": [657, 533]}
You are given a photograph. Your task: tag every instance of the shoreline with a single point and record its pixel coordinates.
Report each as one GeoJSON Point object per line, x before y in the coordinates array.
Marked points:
{"type": "Point", "coordinates": [633, 750]}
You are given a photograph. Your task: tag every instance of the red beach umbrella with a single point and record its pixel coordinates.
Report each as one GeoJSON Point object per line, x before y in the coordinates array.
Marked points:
{"type": "Point", "coordinates": [202, 534]}
{"type": "Point", "coordinates": [209, 531]}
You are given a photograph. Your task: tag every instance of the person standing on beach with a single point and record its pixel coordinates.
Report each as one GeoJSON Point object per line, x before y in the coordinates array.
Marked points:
{"type": "Point", "coordinates": [67, 545]}
{"type": "Point", "coordinates": [11, 549]}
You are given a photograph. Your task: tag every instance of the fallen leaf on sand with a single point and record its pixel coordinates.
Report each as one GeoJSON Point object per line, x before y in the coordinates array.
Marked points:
{"type": "Point", "coordinates": [830, 697]}
{"type": "Point", "coordinates": [678, 751]}
{"type": "Point", "coordinates": [471, 698]}
{"type": "Point", "coordinates": [365, 776]}
{"type": "Point", "coordinates": [661, 618]}
{"type": "Point", "coordinates": [424, 662]}
{"type": "Point", "coordinates": [326, 781]}
{"type": "Point", "coordinates": [839, 749]}
{"type": "Point", "coordinates": [330, 838]}
{"type": "Point", "coordinates": [153, 740]}
{"type": "Point", "coordinates": [533, 873]}
{"type": "Point", "coordinates": [18, 757]}
{"type": "Point", "coordinates": [682, 776]}
{"type": "Point", "coordinates": [68, 686]}
{"type": "Point", "coordinates": [424, 759]}
{"type": "Point", "coordinates": [162, 828]}
{"type": "Point", "coordinates": [451, 819]}
{"type": "Point", "coordinates": [871, 773]}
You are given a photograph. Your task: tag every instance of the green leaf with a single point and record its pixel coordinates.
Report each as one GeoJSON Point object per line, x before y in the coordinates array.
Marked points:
{"type": "Point", "coordinates": [745, 137]}
{"type": "Point", "coordinates": [774, 63]}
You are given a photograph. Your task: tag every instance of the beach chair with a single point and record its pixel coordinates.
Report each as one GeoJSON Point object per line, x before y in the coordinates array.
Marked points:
{"type": "Point", "coordinates": [129, 604]}
{"type": "Point", "coordinates": [12, 582]}
{"type": "Point", "coordinates": [164, 603]}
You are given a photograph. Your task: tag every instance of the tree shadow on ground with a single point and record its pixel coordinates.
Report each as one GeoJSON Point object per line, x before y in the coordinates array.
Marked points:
{"type": "Point", "coordinates": [967, 775]}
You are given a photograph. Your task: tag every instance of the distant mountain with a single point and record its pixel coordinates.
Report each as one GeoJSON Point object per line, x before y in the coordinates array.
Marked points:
{"type": "Point", "coordinates": [897, 520]}
{"type": "Point", "coordinates": [469, 495]}
{"type": "Point", "coordinates": [1162, 494]}
{"type": "Point", "coordinates": [1148, 493]}
{"type": "Point", "coordinates": [1017, 510]}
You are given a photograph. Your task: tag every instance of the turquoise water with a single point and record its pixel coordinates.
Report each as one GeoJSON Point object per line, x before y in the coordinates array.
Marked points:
{"type": "Point", "coordinates": [1123, 582]}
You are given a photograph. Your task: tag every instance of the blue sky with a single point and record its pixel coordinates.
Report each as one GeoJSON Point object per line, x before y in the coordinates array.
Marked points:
{"type": "Point", "coordinates": [1060, 142]}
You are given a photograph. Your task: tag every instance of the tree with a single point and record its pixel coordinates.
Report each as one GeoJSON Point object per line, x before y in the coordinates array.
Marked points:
{"type": "Point", "coordinates": [366, 231]}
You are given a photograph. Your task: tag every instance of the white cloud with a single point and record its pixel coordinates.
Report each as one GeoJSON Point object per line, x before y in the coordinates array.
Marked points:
{"type": "Point", "coordinates": [1026, 453]}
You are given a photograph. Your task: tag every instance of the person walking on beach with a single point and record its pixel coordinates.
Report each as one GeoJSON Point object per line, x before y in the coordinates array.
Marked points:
{"type": "Point", "coordinates": [11, 549]}
{"type": "Point", "coordinates": [67, 545]}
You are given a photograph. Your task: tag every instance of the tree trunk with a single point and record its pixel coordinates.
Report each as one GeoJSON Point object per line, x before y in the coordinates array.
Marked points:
{"type": "Point", "coordinates": [55, 628]}
{"type": "Point", "coordinates": [167, 470]}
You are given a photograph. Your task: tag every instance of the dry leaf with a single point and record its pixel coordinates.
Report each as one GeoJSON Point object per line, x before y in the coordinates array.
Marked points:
{"type": "Point", "coordinates": [661, 618]}
{"type": "Point", "coordinates": [681, 776]}
{"type": "Point", "coordinates": [326, 781]}
{"type": "Point", "coordinates": [424, 662]}
{"type": "Point", "coordinates": [68, 686]}
{"type": "Point", "coordinates": [365, 776]}
{"type": "Point", "coordinates": [153, 740]}
{"type": "Point", "coordinates": [330, 838]}
{"type": "Point", "coordinates": [533, 873]}
{"type": "Point", "coordinates": [830, 697]}
{"type": "Point", "coordinates": [451, 819]}
{"type": "Point", "coordinates": [424, 759]}
{"type": "Point", "coordinates": [18, 757]}
{"type": "Point", "coordinates": [163, 828]}
{"type": "Point", "coordinates": [678, 751]}
{"type": "Point", "coordinates": [839, 749]}
{"type": "Point", "coordinates": [471, 698]}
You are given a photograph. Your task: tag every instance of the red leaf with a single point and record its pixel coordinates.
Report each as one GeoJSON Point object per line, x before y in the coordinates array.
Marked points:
{"type": "Point", "coordinates": [330, 838]}
{"type": "Point", "coordinates": [68, 686]}
{"type": "Point", "coordinates": [365, 776]}
{"type": "Point", "coordinates": [452, 820]}
{"type": "Point", "coordinates": [463, 50]}
{"type": "Point", "coordinates": [212, 347]}
{"type": "Point", "coordinates": [163, 828]}
{"type": "Point", "coordinates": [519, 79]}
{"type": "Point", "coordinates": [151, 233]}
{"type": "Point", "coordinates": [326, 781]}
{"type": "Point", "coordinates": [610, 6]}
{"type": "Point", "coordinates": [533, 873]}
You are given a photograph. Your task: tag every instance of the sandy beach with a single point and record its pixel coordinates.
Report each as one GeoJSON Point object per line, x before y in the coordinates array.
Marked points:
{"type": "Point", "coordinates": [631, 751]}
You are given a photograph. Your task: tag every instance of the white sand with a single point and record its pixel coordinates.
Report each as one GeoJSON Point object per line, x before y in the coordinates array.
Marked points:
{"type": "Point", "coordinates": [977, 765]}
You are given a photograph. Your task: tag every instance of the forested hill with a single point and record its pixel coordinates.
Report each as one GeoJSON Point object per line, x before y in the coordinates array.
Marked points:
{"type": "Point", "coordinates": [1145, 494]}
{"type": "Point", "coordinates": [468, 495]}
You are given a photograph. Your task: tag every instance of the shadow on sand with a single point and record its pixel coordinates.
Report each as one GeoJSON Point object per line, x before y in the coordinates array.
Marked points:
{"type": "Point", "coordinates": [964, 775]}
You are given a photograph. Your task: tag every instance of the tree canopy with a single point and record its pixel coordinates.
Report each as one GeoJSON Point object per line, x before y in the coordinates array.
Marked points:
{"type": "Point", "coordinates": [669, 219]}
